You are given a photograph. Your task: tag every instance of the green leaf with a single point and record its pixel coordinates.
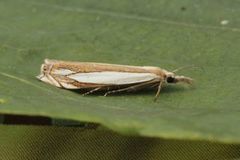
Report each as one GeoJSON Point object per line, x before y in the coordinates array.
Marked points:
{"type": "Point", "coordinates": [157, 33]}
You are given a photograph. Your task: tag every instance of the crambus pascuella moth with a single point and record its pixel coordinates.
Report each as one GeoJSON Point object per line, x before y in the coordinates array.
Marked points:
{"type": "Point", "coordinates": [109, 77]}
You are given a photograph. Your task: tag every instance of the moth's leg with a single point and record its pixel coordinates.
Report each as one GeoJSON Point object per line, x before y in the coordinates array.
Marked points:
{"type": "Point", "coordinates": [158, 91]}
{"type": "Point", "coordinates": [154, 85]}
{"type": "Point", "coordinates": [91, 91]}
{"type": "Point", "coordinates": [131, 88]}
{"type": "Point", "coordinates": [121, 90]}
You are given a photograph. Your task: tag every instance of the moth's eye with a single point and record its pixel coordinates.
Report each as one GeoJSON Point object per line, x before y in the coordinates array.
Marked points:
{"type": "Point", "coordinates": [170, 79]}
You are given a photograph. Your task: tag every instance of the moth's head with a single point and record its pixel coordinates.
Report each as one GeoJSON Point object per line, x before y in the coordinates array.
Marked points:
{"type": "Point", "coordinates": [171, 77]}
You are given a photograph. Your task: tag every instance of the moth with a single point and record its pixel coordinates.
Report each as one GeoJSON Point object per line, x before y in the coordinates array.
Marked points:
{"type": "Point", "coordinates": [111, 78]}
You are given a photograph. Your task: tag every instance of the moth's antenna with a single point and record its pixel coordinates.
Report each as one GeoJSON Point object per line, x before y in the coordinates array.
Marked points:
{"type": "Point", "coordinates": [185, 67]}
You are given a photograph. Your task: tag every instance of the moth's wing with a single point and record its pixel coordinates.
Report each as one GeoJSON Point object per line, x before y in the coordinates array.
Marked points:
{"type": "Point", "coordinates": [112, 78]}
{"type": "Point", "coordinates": [59, 78]}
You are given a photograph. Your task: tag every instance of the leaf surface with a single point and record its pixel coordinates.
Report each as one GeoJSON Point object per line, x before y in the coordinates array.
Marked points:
{"type": "Point", "coordinates": [156, 33]}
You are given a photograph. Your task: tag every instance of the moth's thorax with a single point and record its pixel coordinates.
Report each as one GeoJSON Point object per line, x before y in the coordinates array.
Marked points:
{"type": "Point", "coordinates": [166, 76]}
{"type": "Point", "coordinates": [169, 74]}
{"type": "Point", "coordinates": [162, 73]}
